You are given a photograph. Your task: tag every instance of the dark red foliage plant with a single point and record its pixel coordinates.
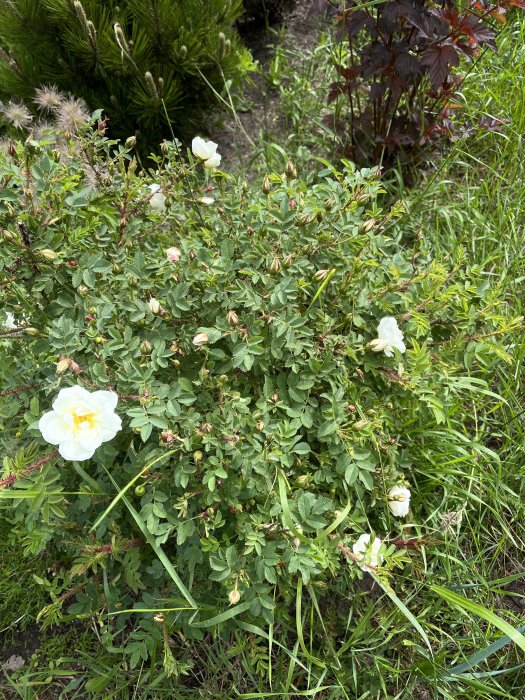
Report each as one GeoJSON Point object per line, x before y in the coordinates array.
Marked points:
{"type": "Point", "coordinates": [401, 67]}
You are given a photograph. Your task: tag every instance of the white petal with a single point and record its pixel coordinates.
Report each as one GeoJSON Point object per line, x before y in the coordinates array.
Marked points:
{"type": "Point", "coordinates": [69, 398]}
{"type": "Point", "coordinates": [399, 501]}
{"type": "Point", "coordinates": [89, 439]}
{"type": "Point", "coordinates": [105, 400]}
{"type": "Point", "coordinates": [203, 149]}
{"type": "Point", "coordinates": [73, 451]}
{"type": "Point", "coordinates": [53, 428]}
{"type": "Point", "coordinates": [388, 350]}
{"type": "Point", "coordinates": [399, 344]}
{"type": "Point", "coordinates": [389, 329]}
{"type": "Point", "coordinates": [154, 187]}
{"type": "Point", "coordinates": [109, 426]}
{"type": "Point", "coordinates": [213, 162]}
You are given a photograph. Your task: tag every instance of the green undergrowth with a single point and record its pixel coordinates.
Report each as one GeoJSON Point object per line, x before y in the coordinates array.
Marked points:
{"type": "Point", "coordinates": [359, 644]}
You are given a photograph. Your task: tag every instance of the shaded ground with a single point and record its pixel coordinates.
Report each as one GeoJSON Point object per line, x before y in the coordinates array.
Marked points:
{"type": "Point", "coordinates": [260, 113]}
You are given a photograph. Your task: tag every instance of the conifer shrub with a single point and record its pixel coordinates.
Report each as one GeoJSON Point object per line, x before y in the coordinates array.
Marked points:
{"type": "Point", "coordinates": [246, 389]}
{"type": "Point", "coordinates": [125, 57]}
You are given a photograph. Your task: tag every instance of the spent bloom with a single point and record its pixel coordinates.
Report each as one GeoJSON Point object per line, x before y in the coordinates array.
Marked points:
{"type": "Point", "coordinates": [80, 422]}
{"type": "Point", "coordinates": [17, 114]}
{"type": "Point", "coordinates": [399, 501]}
{"type": "Point", "coordinates": [389, 336]}
{"type": "Point", "coordinates": [157, 201]}
{"type": "Point", "coordinates": [73, 113]}
{"type": "Point", "coordinates": [173, 254]}
{"type": "Point", "coordinates": [48, 98]}
{"type": "Point", "coordinates": [368, 553]}
{"type": "Point", "coordinates": [206, 151]}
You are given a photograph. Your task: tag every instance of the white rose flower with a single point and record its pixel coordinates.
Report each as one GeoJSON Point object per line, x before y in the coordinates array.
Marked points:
{"type": "Point", "coordinates": [80, 422]}
{"type": "Point", "coordinates": [368, 554]}
{"type": "Point", "coordinates": [154, 305]}
{"type": "Point", "coordinates": [389, 336]}
{"type": "Point", "coordinates": [206, 151]}
{"type": "Point", "coordinates": [399, 501]}
{"type": "Point", "coordinates": [157, 201]}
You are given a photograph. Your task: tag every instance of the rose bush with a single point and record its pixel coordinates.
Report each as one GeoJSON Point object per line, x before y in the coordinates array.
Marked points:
{"type": "Point", "coordinates": [259, 443]}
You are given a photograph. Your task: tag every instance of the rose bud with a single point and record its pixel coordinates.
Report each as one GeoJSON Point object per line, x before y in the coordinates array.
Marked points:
{"type": "Point", "coordinates": [201, 339]}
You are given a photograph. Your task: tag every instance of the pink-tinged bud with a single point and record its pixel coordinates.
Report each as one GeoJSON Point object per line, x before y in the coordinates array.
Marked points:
{"type": "Point", "coordinates": [75, 367]}
{"type": "Point", "coordinates": [201, 339]}
{"type": "Point", "coordinates": [378, 345]}
{"type": "Point", "coordinates": [173, 254]}
{"type": "Point", "coordinates": [166, 437]}
{"type": "Point", "coordinates": [234, 596]}
{"type": "Point", "coordinates": [49, 254]}
{"type": "Point", "coordinates": [154, 305]}
{"type": "Point", "coordinates": [293, 204]}
{"type": "Point", "coordinates": [232, 317]}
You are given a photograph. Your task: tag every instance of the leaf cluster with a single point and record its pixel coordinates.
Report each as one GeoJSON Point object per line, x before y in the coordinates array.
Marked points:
{"type": "Point", "coordinates": [400, 71]}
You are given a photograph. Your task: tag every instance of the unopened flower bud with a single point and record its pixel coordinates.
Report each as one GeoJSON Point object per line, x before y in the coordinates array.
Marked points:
{"type": "Point", "coordinates": [154, 305]}
{"type": "Point", "coordinates": [63, 365]}
{"type": "Point", "coordinates": [131, 142]}
{"type": "Point", "coordinates": [160, 618]}
{"type": "Point", "coordinates": [287, 261]}
{"type": "Point", "coordinates": [49, 254]}
{"type": "Point", "coordinates": [302, 480]}
{"type": "Point", "coordinates": [321, 274]}
{"type": "Point", "coordinates": [360, 425]}
{"type": "Point", "coordinates": [166, 437]}
{"type": "Point", "coordinates": [99, 340]}
{"type": "Point", "coordinates": [305, 219]}
{"type": "Point", "coordinates": [201, 339]}
{"type": "Point", "coordinates": [183, 52]}
{"type": "Point", "coordinates": [378, 345]}
{"type": "Point", "coordinates": [368, 225]}
{"type": "Point", "coordinates": [290, 169]}
{"type": "Point", "coordinates": [234, 596]}
{"type": "Point", "coordinates": [266, 185]}
{"type": "Point", "coordinates": [197, 456]}
{"type": "Point", "coordinates": [173, 254]}
{"type": "Point", "coordinates": [83, 290]}
{"type": "Point", "coordinates": [32, 331]}
{"type": "Point", "coordinates": [232, 317]}
{"type": "Point", "coordinates": [274, 266]}
{"type": "Point", "coordinates": [260, 425]}
{"type": "Point", "coordinates": [146, 347]}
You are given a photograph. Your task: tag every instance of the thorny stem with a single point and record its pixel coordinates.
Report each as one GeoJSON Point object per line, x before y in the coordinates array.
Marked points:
{"type": "Point", "coordinates": [34, 466]}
